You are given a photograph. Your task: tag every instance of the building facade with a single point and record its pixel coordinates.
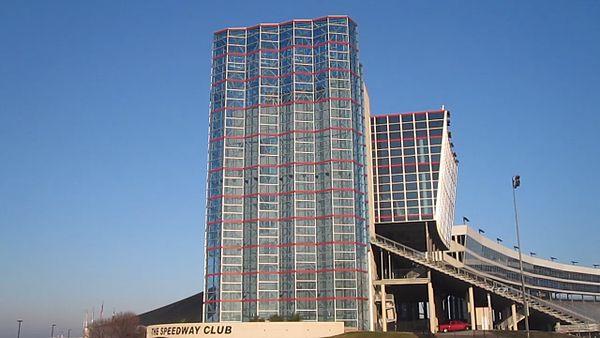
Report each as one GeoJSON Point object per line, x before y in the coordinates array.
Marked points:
{"type": "Point", "coordinates": [414, 170]}
{"type": "Point", "coordinates": [318, 211]}
{"type": "Point", "coordinates": [286, 223]}
{"type": "Point", "coordinates": [544, 278]}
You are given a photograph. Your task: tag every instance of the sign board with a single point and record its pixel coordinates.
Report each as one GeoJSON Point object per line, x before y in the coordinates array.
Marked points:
{"type": "Point", "coordinates": [246, 330]}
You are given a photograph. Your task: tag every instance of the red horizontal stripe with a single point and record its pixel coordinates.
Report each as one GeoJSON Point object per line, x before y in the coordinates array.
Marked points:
{"type": "Point", "coordinates": [286, 165]}
{"type": "Point", "coordinates": [411, 113]}
{"type": "Point", "coordinates": [282, 272]}
{"type": "Point", "coordinates": [283, 245]}
{"type": "Point", "coordinates": [285, 193]}
{"type": "Point", "coordinates": [285, 133]}
{"type": "Point", "coordinates": [286, 23]}
{"type": "Point", "coordinates": [405, 164]}
{"type": "Point", "coordinates": [405, 216]}
{"type": "Point", "coordinates": [407, 138]}
{"type": "Point", "coordinates": [282, 299]}
{"type": "Point", "coordinates": [277, 219]}
{"type": "Point", "coordinates": [287, 74]}
{"type": "Point", "coordinates": [278, 50]}
{"type": "Point", "coordinates": [286, 103]}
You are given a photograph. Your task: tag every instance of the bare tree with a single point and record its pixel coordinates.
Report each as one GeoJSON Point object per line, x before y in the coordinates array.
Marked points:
{"type": "Point", "coordinates": [121, 325]}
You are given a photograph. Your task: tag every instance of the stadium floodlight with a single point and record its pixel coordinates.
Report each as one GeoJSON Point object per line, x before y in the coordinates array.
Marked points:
{"type": "Point", "coordinates": [516, 182]}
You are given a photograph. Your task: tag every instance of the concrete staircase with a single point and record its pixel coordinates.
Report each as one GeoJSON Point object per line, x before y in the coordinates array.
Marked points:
{"type": "Point", "coordinates": [507, 323]}
{"type": "Point", "coordinates": [578, 328]}
{"type": "Point", "coordinates": [504, 290]}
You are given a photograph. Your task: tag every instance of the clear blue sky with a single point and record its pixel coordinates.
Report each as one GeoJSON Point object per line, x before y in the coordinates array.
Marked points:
{"type": "Point", "coordinates": [103, 136]}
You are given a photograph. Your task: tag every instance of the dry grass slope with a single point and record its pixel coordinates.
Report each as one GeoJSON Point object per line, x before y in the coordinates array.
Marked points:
{"type": "Point", "coordinates": [534, 334]}
{"type": "Point", "coordinates": [366, 334]}
{"type": "Point", "coordinates": [462, 334]}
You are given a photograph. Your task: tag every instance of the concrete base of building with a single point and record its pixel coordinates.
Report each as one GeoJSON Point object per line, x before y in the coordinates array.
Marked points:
{"type": "Point", "coordinates": [246, 330]}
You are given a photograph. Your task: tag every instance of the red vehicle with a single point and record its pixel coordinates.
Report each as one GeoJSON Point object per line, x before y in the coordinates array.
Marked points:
{"type": "Point", "coordinates": [455, 325]}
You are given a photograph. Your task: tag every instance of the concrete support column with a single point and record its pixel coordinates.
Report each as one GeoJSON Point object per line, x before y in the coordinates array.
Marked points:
{"type": "Point", "coordinates": [513, 311]}
{"type": "Point", "coordinates": [383, 309]}
{"type": "Point", "coordinates": [390, 275]}
{"type": "Point", "coordinates": [372, 309]}
{"type": "Point", "coordinates": [433, 322]}
{"type": "Point", "coordinates": [471, 307]}
{"type": "Point", "coordinates": [381, 265]}
{"type": "Point", "coordinates": [427, 243]}
{"type": "Point", "coordinates": [490, 312]}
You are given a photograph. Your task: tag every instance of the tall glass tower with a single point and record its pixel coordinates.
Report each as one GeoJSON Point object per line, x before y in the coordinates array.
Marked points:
{"type": "Point", "coordinates": [286, 227]}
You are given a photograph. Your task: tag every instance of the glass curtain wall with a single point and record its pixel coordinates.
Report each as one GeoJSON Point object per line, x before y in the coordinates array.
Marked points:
{"type": "Point", "coordinates": [286, 205]}
{"type": "Point", "coordinates": [414, 170]}
{"type": "Point", "coordinates": [407, 152]}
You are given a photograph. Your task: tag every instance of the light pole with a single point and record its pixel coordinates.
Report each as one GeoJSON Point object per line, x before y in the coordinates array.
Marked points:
{"type": "Point", "coordinates": [52, 331]}
{"type": "Point", "coordinates": [516, 182]}
{"type": "Point", "coordinates": [19, 329]}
